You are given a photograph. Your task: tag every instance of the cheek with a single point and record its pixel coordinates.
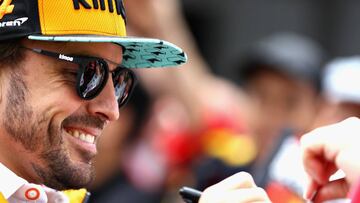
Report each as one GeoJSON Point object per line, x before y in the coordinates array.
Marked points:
{"type": "Point", "coordinates": [51, 93]}
{"type": "Point", "coordinates": [56, 103]}
{"type": "Point", "coordinates": [50, 87]}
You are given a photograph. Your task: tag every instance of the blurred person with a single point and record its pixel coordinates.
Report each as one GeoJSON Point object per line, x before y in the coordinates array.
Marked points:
{"type": "Point", "coordinates": [340, 100]}
{"type": "Point", "coordinates": [280, 74]}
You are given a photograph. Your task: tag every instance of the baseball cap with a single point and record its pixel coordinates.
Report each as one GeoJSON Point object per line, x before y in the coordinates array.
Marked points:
{"type": "Point", "coordinates": [293, 54]}
{"type": "Point", "coordinates": [341, 79]}
{"type": "Point", "coordinates": [84, 21]}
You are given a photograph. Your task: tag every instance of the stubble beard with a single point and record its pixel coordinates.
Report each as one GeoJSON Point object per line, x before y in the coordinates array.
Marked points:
{"type": "Point", "coordinates": [40, 136]}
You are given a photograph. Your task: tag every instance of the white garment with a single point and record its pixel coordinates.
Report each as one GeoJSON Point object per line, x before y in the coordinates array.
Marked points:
{"type": "Point", "coordinates": [29, 193]}
{"type": "Point", "coordinates": [17, 190]}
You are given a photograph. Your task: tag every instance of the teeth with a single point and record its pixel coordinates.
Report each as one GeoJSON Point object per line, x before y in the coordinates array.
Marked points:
{"type": "Point", "coordinates": [76, 134]}
{"type": "Point", "coordinates": [90, 138]}
{"type": "Point", "coordinates": [82, 136]}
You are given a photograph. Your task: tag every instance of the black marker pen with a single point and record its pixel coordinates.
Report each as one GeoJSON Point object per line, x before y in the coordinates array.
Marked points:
{"type": "Point", "coordinates": [190, 195]}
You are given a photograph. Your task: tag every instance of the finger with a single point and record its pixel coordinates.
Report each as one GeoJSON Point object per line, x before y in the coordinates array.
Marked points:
{"type": "Point", "coordinates": [315, 168]}
{"type": "Point", "coordinates": [316, 164]}
{"type": "Point", "coordinates": [244, 195]}
{"type": "Point", "coordinates": [310, 190]}
{"type": "Point", "coordinates": [312, 152]}
{"type": "Point", "coordinates": [236, 181]}
{"type": "Point", "coordinates": [333, 190]}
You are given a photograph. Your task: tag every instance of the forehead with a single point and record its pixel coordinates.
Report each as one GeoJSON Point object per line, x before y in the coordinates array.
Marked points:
{"type": "Point", "coordinates": [108, 51]}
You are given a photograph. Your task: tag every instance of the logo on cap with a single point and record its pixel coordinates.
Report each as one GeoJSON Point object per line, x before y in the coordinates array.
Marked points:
{"type": "Point", "coordinates": [14, 23]}
{"type": "Point", "coordinates": [6, 8]}
{"type": "Point", "coordinates": [119, 6]}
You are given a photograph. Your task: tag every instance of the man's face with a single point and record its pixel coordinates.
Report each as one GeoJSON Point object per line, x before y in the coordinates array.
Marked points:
{"type": "Point", "coordinates": [281, 102]}
{"type": "Point", "coordinates": [50, 129]}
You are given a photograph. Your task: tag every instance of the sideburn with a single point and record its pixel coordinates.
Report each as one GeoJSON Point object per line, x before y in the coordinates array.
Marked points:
{"type": "Point", "coordinates": [18, 114]}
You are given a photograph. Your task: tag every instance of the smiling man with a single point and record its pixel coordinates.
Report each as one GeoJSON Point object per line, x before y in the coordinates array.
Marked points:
{"type": "Point", "coordinates": [65, 72]}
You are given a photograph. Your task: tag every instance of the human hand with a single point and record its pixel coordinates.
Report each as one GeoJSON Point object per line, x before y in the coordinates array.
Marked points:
{"type": "Point", "coordinates": [239, 188]}
{"type": "Point", "coordinates": [327, 149]}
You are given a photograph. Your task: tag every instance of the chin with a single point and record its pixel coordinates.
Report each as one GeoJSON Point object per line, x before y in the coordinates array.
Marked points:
{"type": "Point", "coordinates": [81, 176]}
{"type": "Point", "coordinates": [63, 173]}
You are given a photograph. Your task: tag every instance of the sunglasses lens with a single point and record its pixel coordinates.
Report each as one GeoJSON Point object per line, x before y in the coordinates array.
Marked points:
{"type": "Point", "coordinates": [92, 79]}
{"type": "Point", "coordinates": [123, 84]}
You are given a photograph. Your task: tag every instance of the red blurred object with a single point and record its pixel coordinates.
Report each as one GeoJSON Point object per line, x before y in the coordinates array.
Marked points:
{"type": "Point", "coordinates": [355, 194]}
{"type": "Point", "coordinates": [221, 120]}
{"type": "Point", "coordinates": [281, 194]}
{"type": "Point", "coordinates": [180, 143]}
{"type": "Point", "coordinates": [179, 147]}
{"type": "Point", "coordinates": [224, 136]}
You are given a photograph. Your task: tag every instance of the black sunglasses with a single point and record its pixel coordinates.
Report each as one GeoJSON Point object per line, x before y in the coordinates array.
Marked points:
{"type": "Point", "coordinates": [93, 74]}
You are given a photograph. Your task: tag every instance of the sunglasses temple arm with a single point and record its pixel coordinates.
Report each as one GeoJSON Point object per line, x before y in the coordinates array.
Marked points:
{"type": "Point", "coordinates": [47, 53]}
{"type": "Point", "coordinates": [62, 57]}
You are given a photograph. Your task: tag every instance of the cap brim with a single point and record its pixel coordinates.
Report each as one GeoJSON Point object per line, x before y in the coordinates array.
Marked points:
{"type": "Point", "coordinates": [137, 52]}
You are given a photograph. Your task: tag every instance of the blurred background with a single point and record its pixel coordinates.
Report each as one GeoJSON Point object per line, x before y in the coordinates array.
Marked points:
{"type": "Point", "coordinates": [224, 31]}
{"type": "Point", "coordinates": [259, 75]}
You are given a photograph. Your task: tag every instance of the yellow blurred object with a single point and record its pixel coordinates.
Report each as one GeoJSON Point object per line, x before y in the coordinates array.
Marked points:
{"type": "Point", "coordinates": [234, 149]}
{"type": "Point", "coordinates": [76, 196]}
{"type": "Point", "coordinates": [2, 198]}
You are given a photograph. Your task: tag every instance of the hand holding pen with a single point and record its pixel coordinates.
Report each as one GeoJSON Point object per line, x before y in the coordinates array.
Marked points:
{"type": "Point", "coordinates": [239, 188]}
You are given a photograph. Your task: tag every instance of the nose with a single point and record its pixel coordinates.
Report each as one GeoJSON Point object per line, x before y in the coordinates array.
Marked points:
{"type": "Point", "coordinates": [105, 104]}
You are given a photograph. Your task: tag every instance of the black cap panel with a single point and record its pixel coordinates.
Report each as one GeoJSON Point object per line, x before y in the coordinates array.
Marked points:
{"type": "Point", "coordinates": [19, 19]}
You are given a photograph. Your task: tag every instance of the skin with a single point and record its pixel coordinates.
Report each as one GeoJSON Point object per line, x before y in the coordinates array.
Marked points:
{"type": "Point", "coordinates": [326, 150]}
{"type": "Point", "coordinates": [39, 105]}
{"type": "Point", "coordinates": [239, 188]}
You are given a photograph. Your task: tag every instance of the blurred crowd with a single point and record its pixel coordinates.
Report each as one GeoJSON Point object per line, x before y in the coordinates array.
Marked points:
{"type": "Point", "coordinates": [189, 126]}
